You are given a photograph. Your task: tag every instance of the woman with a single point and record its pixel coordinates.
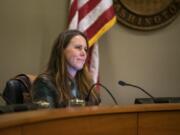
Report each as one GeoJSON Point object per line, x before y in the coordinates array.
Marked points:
{"type": "Point", "coordinates": [66, 77]}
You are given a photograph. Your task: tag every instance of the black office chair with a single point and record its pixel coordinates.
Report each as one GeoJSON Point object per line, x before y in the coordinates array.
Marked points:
{"type": "Point", "coordinates": [17, 89]}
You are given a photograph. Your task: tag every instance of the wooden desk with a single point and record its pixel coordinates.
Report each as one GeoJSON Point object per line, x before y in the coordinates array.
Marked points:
{"type": "Point", "coordinates": [144, 119]}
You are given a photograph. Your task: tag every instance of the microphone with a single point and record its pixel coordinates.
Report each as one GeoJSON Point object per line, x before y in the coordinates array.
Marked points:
{"type": "Point", "coordinates": [92, 87]}
{"type": "Point", "coordinates": [122, 83]}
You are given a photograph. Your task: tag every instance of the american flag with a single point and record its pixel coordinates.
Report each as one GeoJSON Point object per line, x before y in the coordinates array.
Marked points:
{"type": "Point", "coordinates": [94, 18]}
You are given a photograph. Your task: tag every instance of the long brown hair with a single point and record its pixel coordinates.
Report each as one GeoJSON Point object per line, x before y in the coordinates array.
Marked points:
{"type": "Point", "coordinates": [57, 69]}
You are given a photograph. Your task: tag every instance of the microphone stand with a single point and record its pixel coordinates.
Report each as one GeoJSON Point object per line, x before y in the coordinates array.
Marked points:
{"type": "Point", "coordinates": [87, 98]}
{"type": "Point", "coordinates": [127, 84]}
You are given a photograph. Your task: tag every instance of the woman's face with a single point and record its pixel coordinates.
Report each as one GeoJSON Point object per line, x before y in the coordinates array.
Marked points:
{"type": "Point", "coordinates": [75, 54]}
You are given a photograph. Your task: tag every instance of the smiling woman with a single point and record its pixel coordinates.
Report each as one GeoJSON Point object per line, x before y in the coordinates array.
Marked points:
{"type": "Point", "coordinates": [66, 78]}
{"type": "Point", "coordinates": [76, 54]}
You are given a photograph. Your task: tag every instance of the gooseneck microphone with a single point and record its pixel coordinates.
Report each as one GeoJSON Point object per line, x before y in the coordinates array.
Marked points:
{"type": "Point", "coordinates": [122, 83]}
{"type": "Point", "coordinates": [99, 84]}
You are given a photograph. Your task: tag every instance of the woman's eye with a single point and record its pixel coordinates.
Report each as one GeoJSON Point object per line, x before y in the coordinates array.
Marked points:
{"type": "Point", "coordinates": [78, 47]}
{"type": "Point", "coordinates": [81, 48]}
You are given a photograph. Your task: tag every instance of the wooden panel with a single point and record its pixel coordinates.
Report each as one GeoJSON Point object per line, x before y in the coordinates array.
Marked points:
{"type": "Point", "coordinates": [30, 117]}
{"type": "Point", "coordinates": [159, 123]}
{"type": "Point", "coordinates": [116, 124]}
{"type": "Point", "coordinates": [11, 131]}
{"type": "Point", "coordinates": [152, 119]}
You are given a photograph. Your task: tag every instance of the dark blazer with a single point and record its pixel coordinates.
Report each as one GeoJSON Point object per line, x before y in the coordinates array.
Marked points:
{"type": "Point", "coordinates": [45, 93]}
{"type": "Point", "coordinates": [43, 90]}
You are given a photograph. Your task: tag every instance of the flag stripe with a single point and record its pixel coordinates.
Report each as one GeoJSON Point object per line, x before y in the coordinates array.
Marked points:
{"type": "Point", "coordinates": [73, 10]}
{"type": "Point", "coordinates": [102, 31]}
{"type": "Point", "coordinates": [86, 8]}
{"type": "Point", "coordinates": [100, 26]}
{"type": "Point", "coordinates": [94, 63]}
{"type": "Point", "coordinates": [83, 2]}
{"type": "Point", "coordinates": [100, 22]}
{"type": "Point", "coordinates": [73, 24]}
{"type": "Point", "coordinates": [92, 16]}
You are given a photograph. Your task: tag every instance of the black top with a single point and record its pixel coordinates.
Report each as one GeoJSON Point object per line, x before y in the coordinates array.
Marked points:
{"type": "Point", "coordinates": [45, 93]}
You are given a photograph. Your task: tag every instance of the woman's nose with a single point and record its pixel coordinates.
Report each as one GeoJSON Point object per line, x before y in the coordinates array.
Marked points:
{"type": "Point", "coordinates": [83, 52]}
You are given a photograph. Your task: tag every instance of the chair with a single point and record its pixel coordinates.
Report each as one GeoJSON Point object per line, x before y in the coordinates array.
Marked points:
{"type": "Point", "coordinates": [17, 89]}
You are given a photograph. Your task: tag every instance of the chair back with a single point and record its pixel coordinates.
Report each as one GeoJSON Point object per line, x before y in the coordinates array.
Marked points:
{"type": "Point", "coordinates": [17, 89]}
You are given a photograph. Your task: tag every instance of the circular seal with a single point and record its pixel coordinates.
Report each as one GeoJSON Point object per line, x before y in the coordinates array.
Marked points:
{"type": "Point", "coordinates": [145, 14]}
